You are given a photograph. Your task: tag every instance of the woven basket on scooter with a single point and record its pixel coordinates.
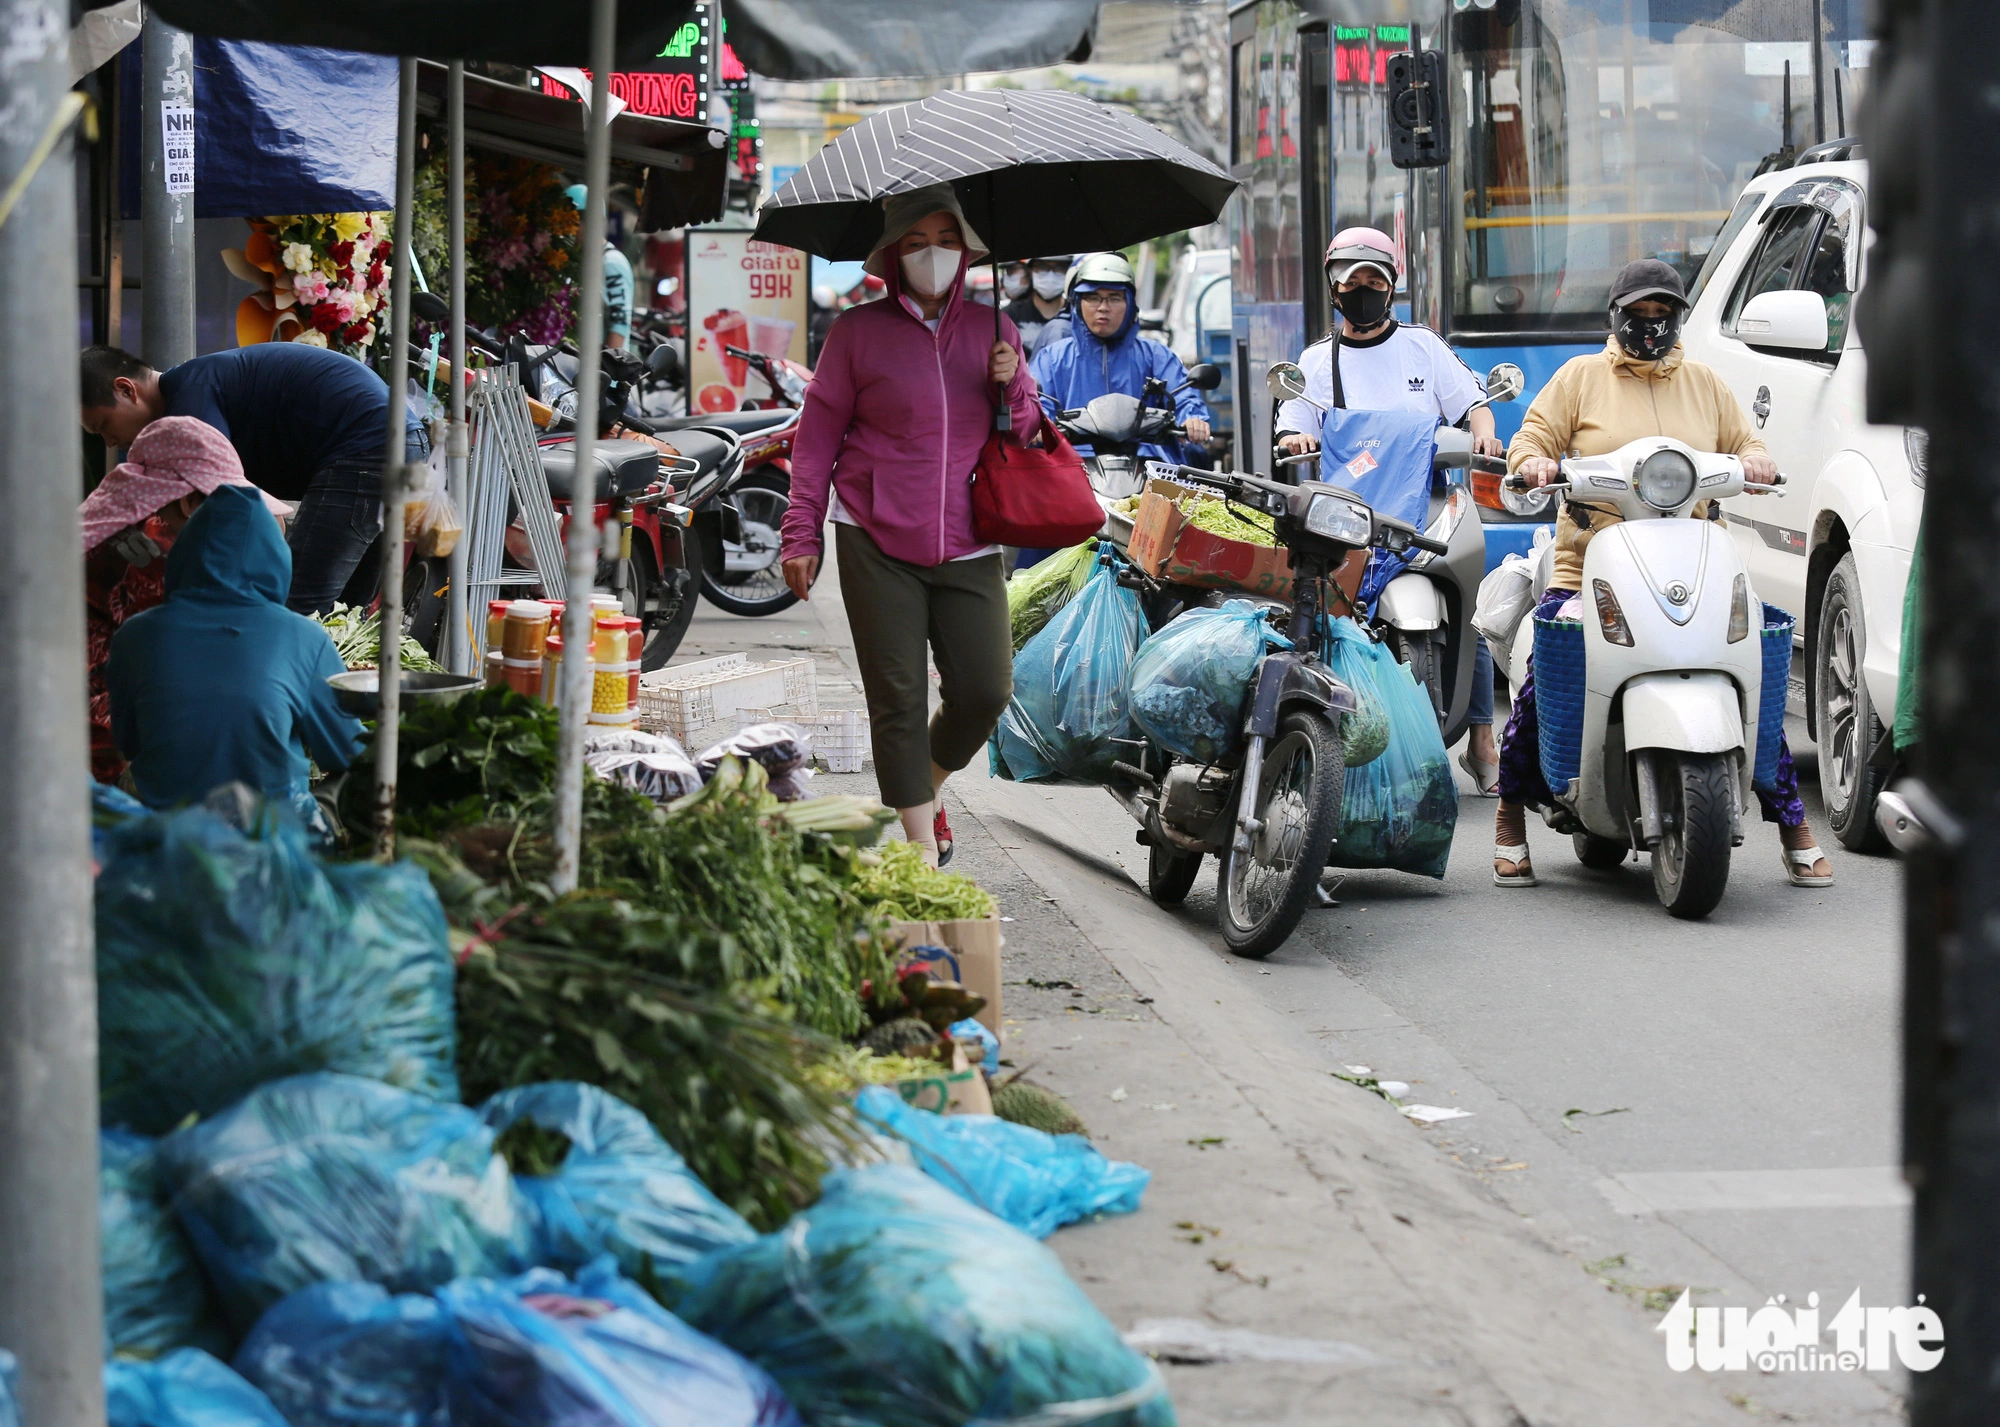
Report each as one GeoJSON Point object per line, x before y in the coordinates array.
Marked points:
{"type": "Point", "coordinates": [1558, 676]}
{"type": "Point", "coordinates": [1777, 634]}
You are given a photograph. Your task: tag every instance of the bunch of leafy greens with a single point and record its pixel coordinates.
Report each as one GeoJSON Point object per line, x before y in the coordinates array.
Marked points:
{"type": "Point", "coordinates": [488, 757]}
{"type": "Point", "coordinates": [357, 638]}
{"type": "Point", "coordinates": [900, 885]}
{"type": "Point", "coordinates": [1231, 522]}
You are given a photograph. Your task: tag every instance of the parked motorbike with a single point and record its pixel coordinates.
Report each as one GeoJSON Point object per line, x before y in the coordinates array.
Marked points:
{"type": "Point", "coordinates": [1424, 614]}
{"type": "Point", "coordinates": [1115, 426]}
{"type": "Point", "coordinates": [1270, 812]}
{"type": "Point", "coordinates": [1673, 671]}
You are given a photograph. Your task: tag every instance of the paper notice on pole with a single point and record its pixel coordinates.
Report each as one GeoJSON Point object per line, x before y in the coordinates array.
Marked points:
{"type": "Point", "coordinates": [177, 150]}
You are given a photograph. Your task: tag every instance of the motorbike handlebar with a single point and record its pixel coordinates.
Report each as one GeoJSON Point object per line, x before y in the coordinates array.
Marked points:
{"type": "Point", "coordinates": [1490, 465]}
{"type": "Point", "coordinates": [1424, 542]}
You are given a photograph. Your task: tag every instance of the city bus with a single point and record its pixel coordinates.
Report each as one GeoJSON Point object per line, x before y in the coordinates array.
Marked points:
{"type": "Point", "coordinates": [1583, 134]}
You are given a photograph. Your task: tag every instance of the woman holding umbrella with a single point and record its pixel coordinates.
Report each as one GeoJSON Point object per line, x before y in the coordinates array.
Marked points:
{"type": "Point", "coordinates": [900, 406]}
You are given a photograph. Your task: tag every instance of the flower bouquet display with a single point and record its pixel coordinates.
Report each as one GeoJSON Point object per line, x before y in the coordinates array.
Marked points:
{"type": "Point", "coordinates": [324, 280]}
{"type": "Point", "coordinates": [520, 242]}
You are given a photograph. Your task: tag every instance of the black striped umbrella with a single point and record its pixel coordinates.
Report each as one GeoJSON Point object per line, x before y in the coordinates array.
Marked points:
{"type": "Point", "coordinates": [1037, 171]}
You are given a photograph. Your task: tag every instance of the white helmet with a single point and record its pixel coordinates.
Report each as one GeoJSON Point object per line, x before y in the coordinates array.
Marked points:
{"type": "Point", "coordinates": [1099, 268]}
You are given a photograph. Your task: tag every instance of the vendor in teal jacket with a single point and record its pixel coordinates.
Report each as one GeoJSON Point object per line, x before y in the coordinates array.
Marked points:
{"type": "Point", "coordinates": [222, 683]}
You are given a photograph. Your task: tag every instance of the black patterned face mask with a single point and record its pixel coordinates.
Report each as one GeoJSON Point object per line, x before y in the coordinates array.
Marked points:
{"type": "Point", "coordinates": [1647, 339]}
{"type": "Point", "coordinates": [1364, 307]}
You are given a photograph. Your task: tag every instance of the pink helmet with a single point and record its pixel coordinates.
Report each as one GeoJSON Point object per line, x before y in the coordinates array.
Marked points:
{"type": "Point", "coordinates": [1352, 248]}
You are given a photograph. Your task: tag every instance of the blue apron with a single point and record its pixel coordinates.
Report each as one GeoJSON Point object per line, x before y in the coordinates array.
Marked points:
{"type": "Point", "coordinates": [1384, 457]}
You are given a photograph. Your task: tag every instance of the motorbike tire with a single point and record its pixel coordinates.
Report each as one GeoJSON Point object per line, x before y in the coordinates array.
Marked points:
{"type": "Point", "coordinates": [1691, 864]}
{"type": "Point", "coordinates": [663, 639]}
{"type": "Point", "coordinates": [1599, 854]}
{"type": "Point", "coordinates": [1260, 895]}
{"type": "Point", "coordinates": [1847, 723]}
{"type": "Point", "coordinates": [769, 488]}
{"type": "Point", "coordinates": [1423, 652]}
{"type": "Point", "coordinates": [426, 588]}
{"type": "Point", "coordinates": [1170, 873]}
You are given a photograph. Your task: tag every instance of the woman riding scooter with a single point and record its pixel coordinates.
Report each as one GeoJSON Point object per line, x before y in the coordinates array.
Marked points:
{"type": "Point", "coordinates": [1641, 384]}
{"type": "Point", "coordinates": [1386, 365]}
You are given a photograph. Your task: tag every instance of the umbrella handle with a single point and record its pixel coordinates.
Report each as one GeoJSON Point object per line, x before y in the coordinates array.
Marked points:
{"type": "Point", "coordinates": [1003, 418]}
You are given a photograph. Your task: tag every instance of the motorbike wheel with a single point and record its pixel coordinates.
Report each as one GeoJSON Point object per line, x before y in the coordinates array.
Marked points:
{"type": "Point", "coordinates": [1599, 854]}
{"type": "Point", "coordinates": [1691, 864]}
{"type": "Point", "coordinates": [1170, 872]}
{"type": "Point", "coordinates": [426, 585]}
{"type": "Point", "coordinates": [1423, 653]}
{"type": "Point", "coordinates": [1848, 726]}
{"type": "Point", "coordinates": [1263, 893]}
{"type": "Point", "coordinates": [666, 630]}
{"type": "Point", "coordinates": [763, 498]}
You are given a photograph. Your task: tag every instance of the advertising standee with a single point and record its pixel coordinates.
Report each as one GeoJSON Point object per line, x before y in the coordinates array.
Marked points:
{"type": "Point", "coordinates": [744, 294]}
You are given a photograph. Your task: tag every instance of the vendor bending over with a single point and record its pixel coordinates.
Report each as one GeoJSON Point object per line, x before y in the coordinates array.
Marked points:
{"type": "Point", "coordinates": [222, 683]}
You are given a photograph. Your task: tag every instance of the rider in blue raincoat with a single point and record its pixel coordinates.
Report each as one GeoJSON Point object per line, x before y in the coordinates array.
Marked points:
{"type": "Point", "coordinates": [1106, 354]}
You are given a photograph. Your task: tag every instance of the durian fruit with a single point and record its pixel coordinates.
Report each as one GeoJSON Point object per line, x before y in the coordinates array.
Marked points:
{"type": "Point", "coordinates": [1037, 1108]}
{"type": "Point", "coordinates": [907, 1036]}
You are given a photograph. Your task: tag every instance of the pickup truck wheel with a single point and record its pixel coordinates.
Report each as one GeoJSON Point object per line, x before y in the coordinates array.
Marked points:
{"type": "Point", "coordinates": [1848, 726]}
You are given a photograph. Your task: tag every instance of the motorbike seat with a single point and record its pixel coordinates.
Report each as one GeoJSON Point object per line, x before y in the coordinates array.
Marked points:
{"type": "Point", "coordinates": [704, 448]}
{"type": "Point", "coordinates": [626, 467]}
{"type": "Point", "coordinates": [743, 423]}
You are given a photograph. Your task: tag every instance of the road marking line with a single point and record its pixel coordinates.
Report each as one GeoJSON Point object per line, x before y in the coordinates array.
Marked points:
{"type": "Point", "coordinates": [1871, 1187]}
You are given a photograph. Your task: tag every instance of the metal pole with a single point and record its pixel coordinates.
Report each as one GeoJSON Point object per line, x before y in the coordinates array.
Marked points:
{"type": "Point", "coordinates": [458, 445]}
{"type": "Point", "coordinates": [395, 475]}
{"type": "Point", "coordinates": [166, 114]}
{"type": "Point", "coordinates": [583, 537]}
{"type": "Point", "coordinates": [51, 1301]}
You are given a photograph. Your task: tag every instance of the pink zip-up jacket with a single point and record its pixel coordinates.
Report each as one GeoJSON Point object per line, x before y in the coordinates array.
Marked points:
{"type": "Point", "coordinates": [895, 418]}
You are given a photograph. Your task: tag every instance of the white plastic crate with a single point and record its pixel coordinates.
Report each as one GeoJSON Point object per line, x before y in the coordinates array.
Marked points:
{"type": "Point", "coordinates": [839, 739]}
{"type": "Point", "coordinates": [702, 701]}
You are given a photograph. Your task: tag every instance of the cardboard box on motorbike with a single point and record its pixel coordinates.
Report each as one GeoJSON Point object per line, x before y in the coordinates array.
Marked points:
{"type": "Point", "coordinates": [1166, 547]}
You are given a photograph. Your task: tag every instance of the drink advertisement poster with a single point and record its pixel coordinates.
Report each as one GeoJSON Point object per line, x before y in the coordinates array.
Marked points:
{"type": "Point", "coordinates": [743, 294]}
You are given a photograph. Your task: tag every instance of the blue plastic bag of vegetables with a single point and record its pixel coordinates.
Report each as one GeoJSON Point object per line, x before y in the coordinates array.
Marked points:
{"type": "Point", "coordinates": [619, 1189]}
{"type": "Point", "coordinates": [10, 1415]}
{"type": "Point", "coordinates": [186, 1388]}
{"type": "Point", "coordinates": [1190, 680]}
{"type": "Point", "coordinates": [1035, 1181]}
{"type": "Point", "coordinates": [1069, 704]}
{"type": "Point", "coordinates": [325, 1178]}
{"type": "Point", "coordinates": [1401, 809]}
{"type": "Point", "coordinates": [226, 960]}
{"type": "Point", "coordinates": [541, 1351]}
{"type": "Point", "coordinates": [154, 1297]}
{"type": "Point", "coordinates": [894, 1302]}
{"type": "Point", "coordinates": [350, 1355]}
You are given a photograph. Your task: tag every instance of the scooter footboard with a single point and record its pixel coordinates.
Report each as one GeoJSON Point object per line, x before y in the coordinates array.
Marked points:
{"type": "Point", "coordinates": [1692, 713]}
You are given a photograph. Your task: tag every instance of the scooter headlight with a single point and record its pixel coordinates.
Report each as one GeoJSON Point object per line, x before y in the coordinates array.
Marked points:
{"type": "Point", "coordinates": [1342, 521]}
{"type": "Point", "coordinates": [1665, 479]}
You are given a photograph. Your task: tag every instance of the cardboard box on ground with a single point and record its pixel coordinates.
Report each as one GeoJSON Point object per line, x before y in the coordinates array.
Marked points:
{"type": "Point", "coordinates": [973, 960]}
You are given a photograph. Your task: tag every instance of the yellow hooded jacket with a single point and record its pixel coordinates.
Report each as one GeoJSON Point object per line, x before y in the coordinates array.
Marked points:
{"type": "Point", "coordinates": [1595, 404]}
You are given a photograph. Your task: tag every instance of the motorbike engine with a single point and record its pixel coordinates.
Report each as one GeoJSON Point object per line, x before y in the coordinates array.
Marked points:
{"type": "Point", "coordinates": [1193, 797]}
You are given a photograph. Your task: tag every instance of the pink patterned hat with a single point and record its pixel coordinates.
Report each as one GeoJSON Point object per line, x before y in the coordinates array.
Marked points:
{"type": "Point", "coordinates": [172, 457]}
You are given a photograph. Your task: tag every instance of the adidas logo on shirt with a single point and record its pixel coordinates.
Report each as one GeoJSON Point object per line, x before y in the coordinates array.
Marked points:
{"type": "Point", "coordinates": [1416, 383]}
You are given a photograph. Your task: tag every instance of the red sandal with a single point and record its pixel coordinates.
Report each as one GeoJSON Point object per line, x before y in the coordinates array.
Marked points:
{"type": "Point", "coordinates": [941, 835]}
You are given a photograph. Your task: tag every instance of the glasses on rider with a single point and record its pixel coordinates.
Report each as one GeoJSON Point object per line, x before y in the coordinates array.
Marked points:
{"type": "Point", "coordinates": [1101, 297]}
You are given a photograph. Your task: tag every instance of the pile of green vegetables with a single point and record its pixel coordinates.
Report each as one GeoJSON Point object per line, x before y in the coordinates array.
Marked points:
{"type": "Point", "coordinates": [902, 886]}
{"type": "Point", "coordinates": [357, 638]}
{"type": "Point", "coordinates": [1037, 594]}
{"type": "Point", "coordinates": [1231, 522]}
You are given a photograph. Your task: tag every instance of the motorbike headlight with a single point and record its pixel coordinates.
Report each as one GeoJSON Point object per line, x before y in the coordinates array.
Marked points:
{"type": "Point", "coordinates": [1665, 480]}
{"type": "Point", "coordinates": [1342, 521]}
{"type": "Point", "coordinates": [1917, 447]}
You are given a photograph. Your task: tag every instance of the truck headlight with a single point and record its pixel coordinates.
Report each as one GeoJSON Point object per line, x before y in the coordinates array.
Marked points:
{"type": "Point", "coordinates": [1342, 521]}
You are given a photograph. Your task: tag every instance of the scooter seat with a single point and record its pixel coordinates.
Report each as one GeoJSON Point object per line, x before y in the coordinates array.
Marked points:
{"type": "Point", "coordinates": [624, 467]}
{"type": "Point", "coordinates": [743, 423]}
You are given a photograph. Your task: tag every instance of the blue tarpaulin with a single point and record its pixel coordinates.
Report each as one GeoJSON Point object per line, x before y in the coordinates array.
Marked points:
{"type": "Point", "coordinates": [278, 129]}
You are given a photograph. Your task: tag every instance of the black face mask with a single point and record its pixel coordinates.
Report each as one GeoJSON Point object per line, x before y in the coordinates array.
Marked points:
{"type": "Point", "coordinates": [1646, 339]}
{"type": "Point", "coordinates": [1363, 307]}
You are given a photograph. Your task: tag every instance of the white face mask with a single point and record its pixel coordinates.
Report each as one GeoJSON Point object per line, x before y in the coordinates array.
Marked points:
{"type": "Point", "coordinates": [928, 271]}
{"type": "Point", "coordinates": [1048, 285]}
{"type": "Point", "coordinates": [1015, 283]}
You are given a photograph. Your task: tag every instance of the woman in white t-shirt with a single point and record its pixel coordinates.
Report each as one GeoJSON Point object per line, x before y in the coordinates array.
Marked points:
{"type": "Point", "coordinates": [1386, 365]}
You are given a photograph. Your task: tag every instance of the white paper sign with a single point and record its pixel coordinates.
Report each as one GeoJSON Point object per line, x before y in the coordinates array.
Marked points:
{"type": "Point", "coordinates": [177, 127]}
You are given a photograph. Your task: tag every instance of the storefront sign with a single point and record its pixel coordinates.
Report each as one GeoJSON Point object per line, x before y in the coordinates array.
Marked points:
{"type": "Point", "coordinates": [743, 294]}
{"type": "Point", "coordinates": [177, 150]}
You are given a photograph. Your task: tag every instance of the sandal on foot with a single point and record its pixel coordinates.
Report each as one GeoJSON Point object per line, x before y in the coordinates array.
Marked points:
{"type": "Point", "coordinates": [941, 834]}
{"type": "Point", "coordinates": [1485, 776]}
{"type": "Point", "coordinates": [1799, 864]}
{"type": "Point", "coordinates": [1523, 874]}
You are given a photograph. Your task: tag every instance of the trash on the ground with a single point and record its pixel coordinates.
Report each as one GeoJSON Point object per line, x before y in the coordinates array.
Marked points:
{"type": "Point", "coordinates": [1432, 1114]}
{"type": "Point", "coordinates": [1035, 1181]}
{"type": "Point", "coordinates": [894, 1301]}
{"type": "Point", "coordinates": [349, 1355]}
{"type": "Point", "coordinates": [1185, 1340]}
{"type": "Point", "coordinates": [542, 1351]}
{"type": "Point", "coordinates": [186, 1388]}
{"type": "Point", "coordinates": [616, 1187]}
{"type": "Point", "coordinates": [1165, 1105]}
{"type": "Point", "coordinates": [1119, 1093]}
{"type": "Point", "coordinates": [1570, 1116]}
{"type": "Point", "coordinates": [1394, 1089]}
{"type": "Point", "coordinates": [154, 1296]}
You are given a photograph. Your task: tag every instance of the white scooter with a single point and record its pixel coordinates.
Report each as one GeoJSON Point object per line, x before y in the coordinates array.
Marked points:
{"type": "Point", "coordinates": [1673, 670]}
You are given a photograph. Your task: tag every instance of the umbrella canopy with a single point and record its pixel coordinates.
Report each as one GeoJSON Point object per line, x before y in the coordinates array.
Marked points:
{"type": "Point", "coordinates": [1038, 172]}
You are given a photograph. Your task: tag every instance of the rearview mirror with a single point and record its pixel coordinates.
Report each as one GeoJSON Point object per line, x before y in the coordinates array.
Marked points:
{"type": "Point", "coordinates": [430, 307]}
{"type": "Point", "coordinates": [1204, 376]}
{"type": "Point", "coordinates": [664, 362]}
{"type": "Point", "coordinates": [1152, 320]}
{"type": "Point", "coordinates": [1795, 321]}
{"type": "Point", "coordinates": [1505, 382]}
{"type": "Point", "coordinates": [1285, 381]}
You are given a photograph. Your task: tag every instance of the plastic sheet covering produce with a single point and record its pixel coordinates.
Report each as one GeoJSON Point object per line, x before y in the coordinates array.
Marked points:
{"type": "Point", "coordinates": [1189, 680]}
{"type": "Point", "coordinates": [650, 763]}
{"type": "Point", "coordinates": [1035, 595]}
{"type": "Point", "coordinates": [1399, 811]}
{"type": "Point", "coordinates": [1037, 1182]}
{"type": "Point", "coordinates": [325, 1178]}
{"type": "Point", "coordinates": [186, 1388]}
{"type": "Point", "coordinates": [1069, 702]}
{"type": "Point", "coordinates": [350, 1355]}
{"type": "Point", "coordinates": [541, 1351]}
{"type": "Point", "coordinates": [154, 1297]}
{"type": "Point", "coordinates": [618, 1188]}
{"type": "Point", "coordinates": [895, 1303]}
{"type": "Point", "coordinates": [225, 960]}
{"type": "Point", "coordinates": [1348, 653]}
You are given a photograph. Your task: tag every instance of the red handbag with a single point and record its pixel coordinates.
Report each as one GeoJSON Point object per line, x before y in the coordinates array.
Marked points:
{"type": "Point", "coordinates": [1038, 498]}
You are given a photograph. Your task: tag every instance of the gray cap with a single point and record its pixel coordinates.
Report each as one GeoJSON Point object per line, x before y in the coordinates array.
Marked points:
{"type": "Point", "coordinates": [1648, 278]}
